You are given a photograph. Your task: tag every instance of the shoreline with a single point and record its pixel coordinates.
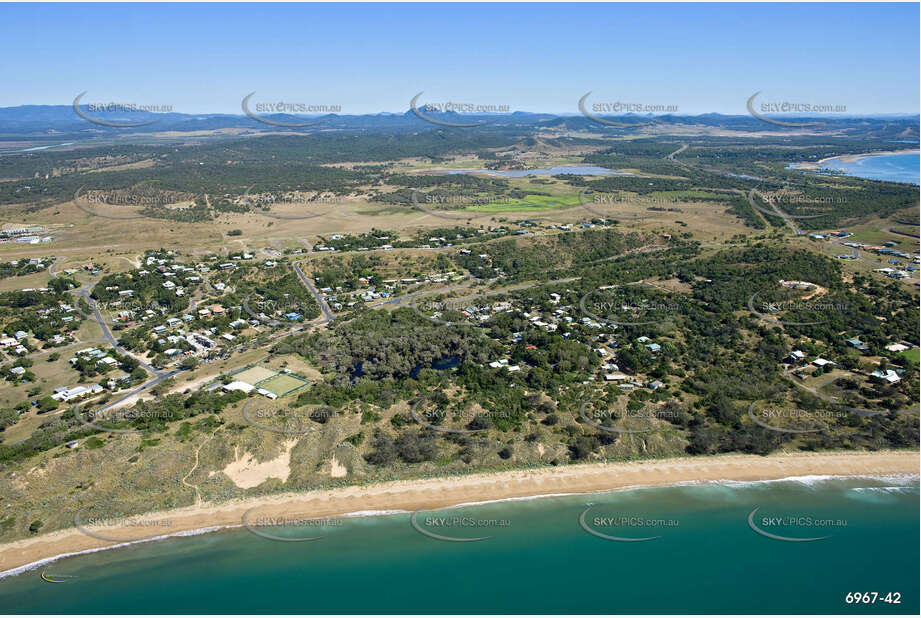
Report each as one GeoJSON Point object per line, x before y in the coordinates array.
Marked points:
{"type": "Point", "coordinates": [466, 490]}
{"type": "Point", "coordinates": [853, 158]}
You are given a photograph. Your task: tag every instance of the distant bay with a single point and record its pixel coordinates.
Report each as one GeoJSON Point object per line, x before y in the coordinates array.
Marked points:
{"type": "Point", "coordinates": [35, 148]}
{"type": "Point", "coordinates": [892, 167]}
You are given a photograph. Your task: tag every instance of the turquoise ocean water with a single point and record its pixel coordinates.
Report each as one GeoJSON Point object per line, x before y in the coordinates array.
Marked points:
{"type": "Point", "coordinates": [703, 557]}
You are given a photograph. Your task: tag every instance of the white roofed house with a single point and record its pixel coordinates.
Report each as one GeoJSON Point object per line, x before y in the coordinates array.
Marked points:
{"type": "Point", "coordinates": [76, 392]}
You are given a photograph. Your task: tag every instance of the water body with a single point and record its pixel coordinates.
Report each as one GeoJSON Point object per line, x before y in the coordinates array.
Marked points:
{"type": "Point", "coordinates": [34, 148]}
{"type": "Point", "coordinates": [582, 170]}
{"type": "Point", "coordinates": [446, 362]}
{"type": "Point", "coordinates": [892, 167]}
{"type": "Point", "coordinates": [538, 559]}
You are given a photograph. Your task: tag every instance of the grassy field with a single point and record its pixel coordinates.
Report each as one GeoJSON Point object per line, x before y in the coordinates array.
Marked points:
{"type": "Point", "coordinates": [254, 375]}
{"type": "Point", "coordinates": [35, 280]}
{"type": "Point", "coordinates": [48, 377]}
{"type": "Point", "coordinates": [876, 232]}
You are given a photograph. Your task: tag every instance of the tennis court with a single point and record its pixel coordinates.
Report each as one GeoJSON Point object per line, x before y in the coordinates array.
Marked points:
{"type": "Point", "coordinates": [283, 384]}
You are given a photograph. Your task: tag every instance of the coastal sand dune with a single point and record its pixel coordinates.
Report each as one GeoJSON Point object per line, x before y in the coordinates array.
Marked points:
{"type": "Point", "coordinates": [246, 472]}
{"type": "Point", "coordinates": [435, 493]}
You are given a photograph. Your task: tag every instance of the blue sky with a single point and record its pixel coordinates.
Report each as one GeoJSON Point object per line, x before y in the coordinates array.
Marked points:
{"type": "Point", "coordinates": [536, 57]}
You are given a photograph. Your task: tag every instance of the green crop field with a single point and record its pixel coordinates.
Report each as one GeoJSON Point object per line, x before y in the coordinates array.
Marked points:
{"type": "Point", "coordinates": [530, 203]}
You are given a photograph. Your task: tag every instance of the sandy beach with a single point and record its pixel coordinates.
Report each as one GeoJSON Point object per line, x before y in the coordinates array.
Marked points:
{"type": "Point", "coordinates": [852, 158]}
{"type": "Point", "coordinates": [442, 492]}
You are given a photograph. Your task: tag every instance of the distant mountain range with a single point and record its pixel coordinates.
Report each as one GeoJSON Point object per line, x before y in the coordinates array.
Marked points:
{"type": "Point", "coordinates": [61, 122]}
